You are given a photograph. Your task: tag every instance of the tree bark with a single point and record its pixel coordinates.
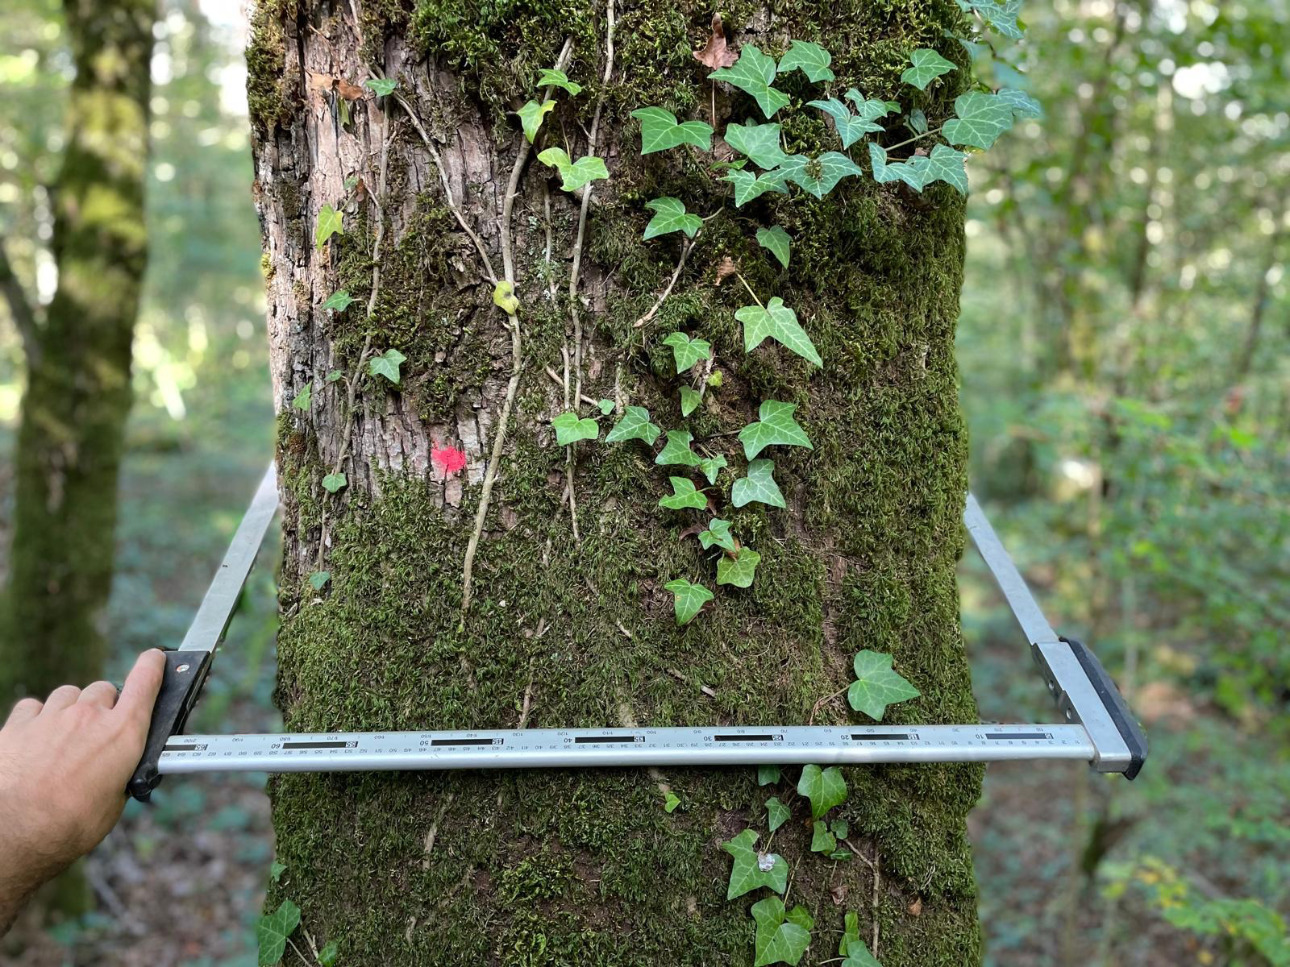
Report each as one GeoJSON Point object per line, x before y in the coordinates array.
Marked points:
{"type": "Point", "coordinates": [78, 361]}
{"type": "Point", "coordinates": [568, 867]}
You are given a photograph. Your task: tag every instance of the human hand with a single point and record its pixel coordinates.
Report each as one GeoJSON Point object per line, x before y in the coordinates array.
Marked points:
{"type": "Point", "coordinates": [64, 765]}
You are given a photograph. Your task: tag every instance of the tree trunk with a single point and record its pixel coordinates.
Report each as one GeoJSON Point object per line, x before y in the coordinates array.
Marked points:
{"type": "Point", "coordinates": [78, 361]}
{"type": "Point", "coordinates": [573, 627]}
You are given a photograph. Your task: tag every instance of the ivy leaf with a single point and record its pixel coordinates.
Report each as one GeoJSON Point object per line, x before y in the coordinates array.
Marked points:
{"type": "Point", "coordinates": [531, 116]}
{"type": "Point", "coordinates": [671, 217]}
{"type": "Point", "coordinates": [339, 300]}
{"type": "Point", "coordinates": [751, 869]}
{"type": "Point", "coordinates": [688, 600]}
{"type": "Point", "coordinates": [779, 322]}
{"type": "Point", "coordinates": [334, 375]}
{"type": "Point", "coordinates": [676, 452]}
{"type": "Point", "coordinates": [776, 241]}
{"type": "Point", "coordinates": [634, 425]}
{"type": "Point", "coordinates": [606, 407]}
{"type": "Point", "coordinates": [927, 66]}
{"type": "Point", "coordinates": [329, 224]}
{"type": "Point", "coordinates": [915, 172]}
{"type": "Point", "coordinates": [811, 59]}
{"type": "Point", "coordinates": [819, 176]}
{"type": "Point", "coordinates": [759, 143]}
{"type": "Point", "coordinates": [759, 486]}
{"type": "Point", "coordinates": [824, 787]}
{"type": "Point", "coordinates": [387, 364]}
{"type": "Point", "coordinates": [334, 482]}
{"type": "Point", "coordinates": [1022, 104]}
{"type": "Point", "coordinates": [660, 130]}
{"type": "Point", "coordinates": [505, 299]}
{"type": "Point", "coordinates": [949, 165]}
{"type": "Point", "coordinates": [877, 685]}
{"type": "Point", "coordinates": [383, 86]}
{"type": "Point", "coordinates": [687, 351]}
{"type": "Point", "coordinates": [569, 429]}
{"type": "Point", "coordinates": [711, 466]}
{"type": "Point", "coordinates": [304, 397]}
{"type": "Point", "coordinates": [822, 841]}
{"type": "Point", "coordinates": [574, 175]}
{"type": "Point", "coordinates": [272, 931]}
{"type": "Point", "coordinates": [753, 74]}
{"type": "Point", "coordinates": [850, 932]}
{"type": "Point", "coordinates": [870, 109]}
{"type": "Point", "coordinates": [767, 775]}
{"type": "Point", "coordinates": [329, 956]}
{"type": "Point", "coordinates": [782, 938]}
{"type": "Point", "coordinates": [690, 399]}
{"type": "Point", "coordinates": [858, 955]}
{"type": "Point", "coordinates": [850, 128]}
{"type": "Point", "coordinates": [276, 870]}
{"type": "Point", "coordinates": [1001, 16]}
{"type": "Point", "coordinates": [918, 121]}
{"type": "Point", "coordinates": [775, 427]}
{"type": "Point", "coordinates": [550, 77]}
{"type": "Point", "coordinates": [684, 496]}
{"type": "Point", "coordinates": [777, 813]}
{"type": "Point", "coordinates": [981, 119]}
{"type": "Point", "coordinates": [738, 571]}
{"type": "Point", "coordinates": [718, 533]}
{"type": "Point", "coordinates": [749, 186]}
{"type": "Point", "coordinates": [671, 802]}
{"type": "Point", "coordinates": [318, 580]}
{"type": "Point", "coordinates": [839, 828]}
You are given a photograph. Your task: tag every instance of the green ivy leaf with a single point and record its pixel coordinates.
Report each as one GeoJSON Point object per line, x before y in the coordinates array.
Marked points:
{"type": "Point", "coordinates": [858, 956]}
{"type": "Point", "coordinates": [272, 931]}
{"type": "Point", "coordinates": [531, 116]}
{"type": "Point", "coordinates": [758, 142]}
{"type": "Point", "coordinates": [660, 130]}
{"type": "Point", "coordinates": [949, 165]}
{"type": "Point", "coordinates": [505, 299]}
{"type": "Point", "coordinates": [334, 375]}
{"type": "Point", "coordinates": [276, 870]}
{"type": "Point", "coordinates": [671, 217]}
{"type": "Point", "coordinates": [687, 351]}
{"type": "Point", "coordinates": [329, 956]}
{"type": "Point", "coordinates": [1001, 16]}
{"type": "Point", "coordinates": [718, 533]}
{"type": "Point", "coordinates": [606, 407]}
{"type": "Point", "coordinates": [339, 300]}
{"type": "Point", "coordinates": [387, 364]}
{"type": "Point", "coordinates": [777, 241]}
{"type": "Point", "coordinates": [334, 482]}
{"type": "Point", "coordinates": [927, 66]}
{"type": "Point", "coordinates": [776, 812]}
{"type": "Point", "coordinates": [779, 322]}
{"type": "Point", "coordinates": [688, 600]}
{"type": "Point", "coordinates": [690, 400]}
{"type": "Point", "coordinates": [1022, 104]}
{"type": "Point", "coordinates": [782, 938]}
{"type": "Point", "coordinates": [811, 59]}
{"type": "Point", "coordinates": [550, 77]}
{"type": "Point", "coordinates": [383, 86]}
{"type": "Point", "coordinates": [822, 841]}
{"type": "Point", "coordinates": [850, 931]}
{"type": "Point", "coordinates": [850, 128]}
{"type": "Point", "coordinates": [819, 176]}
{"type": "Point", "coordinates": [767, 775]}
{"type": "Point", "coordinates": [749, 186]}
{"type": "Point", "coordinates": [918, 121]}
{"type": "Point", "coordinates": [574, 175]}
{"type": "Point", "coordinates": [758, 486]}
{"type": "Point", "coordinates": [751, 869]}
{"type": "Point", "coordinates": [913, 172]}
{"type": "Point", "coordinates": [839, 828]}
{"type": "Point", "coordinates": [634, 425]}
{"type": "Point", "coordinates": [676, 452]}
{"type": "Point", "coordinates": [684, 496]}
{"type": "Point", "coordinates": [304, 397]}
{"type": "Point", "coordinates": [671, 802]}
{"type": "Point", "coordinates": [775, 427]}
{"type": "Point", "coordinates": [981, 119]}
{"type": "Point", "coordinates": [877, 685]}
{"type": "Point", "coordinates": [329, 224]}
{"type": "Point", "coordinates": [318, 580]}
{"type": "Point", "coordinates": [711, 466]}
{"type": "Point", "coordinates": [738, 571]}
{"type": "Point", "coordinates": [753, 74]}
{"type": "Point", "coordinates": [569, 429]}
{"type": "Point", "coordinates": [825, 788]}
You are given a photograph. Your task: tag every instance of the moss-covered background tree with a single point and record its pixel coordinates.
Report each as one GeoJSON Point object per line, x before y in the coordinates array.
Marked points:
{"type": "Point", "coordinates": [571, 625]}
{"type": "Point", "coordinates": [78, 359]}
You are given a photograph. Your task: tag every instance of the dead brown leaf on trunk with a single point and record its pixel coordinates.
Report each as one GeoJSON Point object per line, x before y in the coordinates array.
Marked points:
{"type": "Point", "coordinates": [725, 268]}
{"type": "Point", "coordinates": [716, 54]}
{"type": "Point", "coordinates": [350, 92]}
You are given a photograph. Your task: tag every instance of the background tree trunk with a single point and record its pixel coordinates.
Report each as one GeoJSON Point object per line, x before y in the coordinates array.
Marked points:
{"type": "Point", "coordinates": [78, 360]}
{"type": "Point", "coordinates": [586, 867]}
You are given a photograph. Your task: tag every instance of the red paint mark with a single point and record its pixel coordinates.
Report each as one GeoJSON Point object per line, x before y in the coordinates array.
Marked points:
{"type": "Point", "coordinates": [447, 460]}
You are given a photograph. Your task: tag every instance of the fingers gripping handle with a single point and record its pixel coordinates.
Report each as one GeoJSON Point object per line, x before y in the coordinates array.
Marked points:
{"type": "Point", "coordinates": [180, 686]}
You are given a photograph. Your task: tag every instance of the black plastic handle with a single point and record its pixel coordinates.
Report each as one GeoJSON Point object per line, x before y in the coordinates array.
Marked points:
{"type": "Point", "coordinates": [180, 686]}
{"type": "Point", "coordinates": [1134, 738]}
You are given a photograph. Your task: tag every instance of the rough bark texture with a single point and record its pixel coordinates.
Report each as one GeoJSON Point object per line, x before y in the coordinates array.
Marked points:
{"type": "Point", "coordinates": [586, 867]}
{"type": "Point", "coordinates": [78, 361]}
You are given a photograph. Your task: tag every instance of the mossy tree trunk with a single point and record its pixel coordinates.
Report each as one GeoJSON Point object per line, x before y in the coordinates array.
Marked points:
{"type": "Point", "coordinates": [561, 867]}
{"type": "Point", "coordinates": [78, 359]}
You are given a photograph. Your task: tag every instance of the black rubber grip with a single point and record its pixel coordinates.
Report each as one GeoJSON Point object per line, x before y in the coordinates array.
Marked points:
{"type": "Point", "coordinates": [180, 686]}
{"type": "Point", "coordinates": [1134, 738]}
